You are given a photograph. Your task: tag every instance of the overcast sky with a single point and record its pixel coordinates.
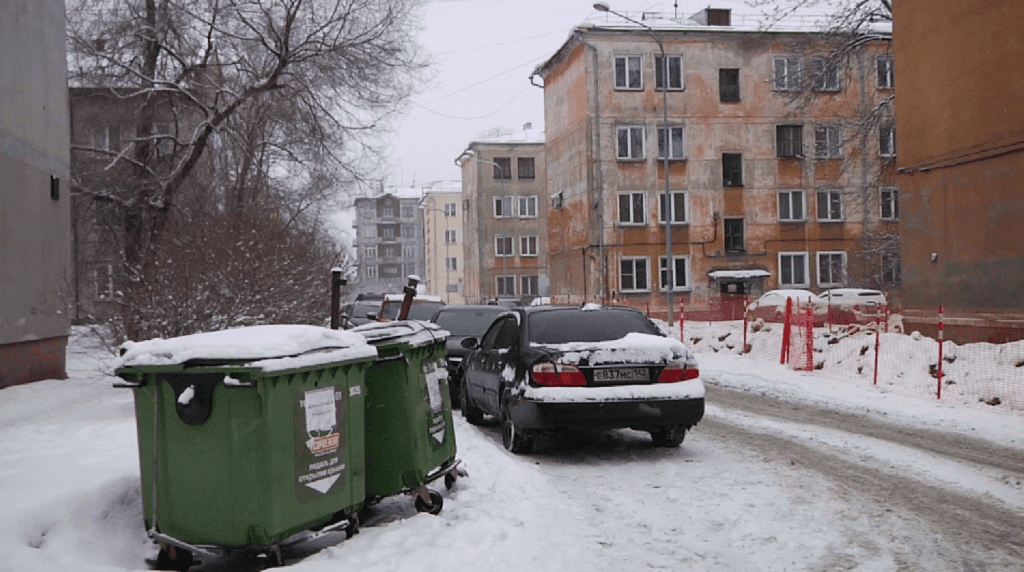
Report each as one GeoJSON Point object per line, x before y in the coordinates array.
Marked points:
{"type": "Point", "coordinates": [485, 51]}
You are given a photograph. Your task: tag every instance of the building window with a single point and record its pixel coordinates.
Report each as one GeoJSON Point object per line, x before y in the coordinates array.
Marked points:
{"type": "Point", "coordinates": [630, 141]}
{"type": "Point", "coordinates": [408, 252]}
{"type": "Point", "coordinates": [791, 206]}
{"type": "Point", "coordinates": [526, 168]}
{"type": "Point", "coordinates": [389, 252]}
{"type": "Point", "coordinates": [831, 269]}
{"type": "Point", "coordinates": [680, 273]}
{"type": "Point", "coordinates": [528, 206]}
{"type": "Point", "coordinates": [789, 140]}
{"type": "Point", "coordinates": [106, 137]}
{"type": "Point", "coordinates": [528, 246]}
{"type": "Point", "coordinates": [890, 199]}
{"type": "Point", "coordinates": [370, 231]}
{"type": "Point", "coordinates": [826, 142]}
{"type": "Point", "coordinates": [529, 285]}
{"type": "Point", "coordinates": [503, 246]}
{"type": "Point", "coordinates": [105, 282]}
{"type": "Point", "coordinates": [557, 200]}
{"type": "Point", "coordinates": [676, 143]}
{"type": "Point", "coordinates": [407, 211]}
{"type": "Point", "coordinates": [887, 140]}
{"type": "Point", "coordinates": [787, 73]}
{"type": "Point", "coordinates": [891, 274]}
{"type": "Point", "coordinates": [506, 285]}
{"type": "Point", "coordinates": [729, 85]}
{"type": "Point", "coordinates": [502, 168]}
{"type": "Point", "coordinates": [387, 232]}
{"type": "Point", "coordinates": [370, 271]}
{"type": "Point", "coordinates": [733, 234]}
{"type": "Point", "coordinates": [826, 75]}
{"type": "Point", "coordinates": [678, 210]}
{"type": "Point", "coordinates": [830, 205]}
{"type": "Point", "coordinates": [451, 264]}
{"type": "Point", "coordinates": [503, 207]}
{"type": "Point", "coordinates": [675, 72]}
{"type": "Point", "coordinates": [451, 209]}
{"type": "Point", "coordinates": [451, 237]}
{"type": "Point", "coordinates": [406, 231]}
{"type": "Point", "coordinates": [885, 75]}
{"type": "Point", "coordinates": [792, 269]}
{"type": "Point", "coordinates": [370, 252]}
{"type": "Point", "coordinates": [628, 73]}
{"type": "Point", "coordinates": [632, 208]}
{"type": "Point", "coordinates": [633, 274]}
{"type": "Point", "coordinates": [732, 170]}
{"type": "Point", "coordinates": [387, 212]}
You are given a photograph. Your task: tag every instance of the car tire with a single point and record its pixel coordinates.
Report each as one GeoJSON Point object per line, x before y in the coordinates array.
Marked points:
{"type": "Point", "coordinates": [515, 441]}
{"type": "Point", "coordinates": [472, 414]}
{"type": "Point", "coordinates": [668, 436]}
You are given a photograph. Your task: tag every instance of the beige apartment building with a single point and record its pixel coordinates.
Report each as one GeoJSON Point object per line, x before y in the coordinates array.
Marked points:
{"type": "Point", "coordinates": [780, 161]}
{"type": "Point", "coordinates": [443, 241]}
{"type": "Point", "coordinates": [505, 209]}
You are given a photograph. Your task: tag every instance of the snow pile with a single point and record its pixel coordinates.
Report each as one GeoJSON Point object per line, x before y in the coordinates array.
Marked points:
{"type": "Point", "coordinates": [415, 333]}
{"type": "Point", "coordinates": [254, 343]}
{"type": "Point", "coordinates": [690, 389]}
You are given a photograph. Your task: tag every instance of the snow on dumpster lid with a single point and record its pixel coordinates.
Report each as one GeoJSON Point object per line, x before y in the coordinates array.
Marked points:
{"type": "Point", "coordinates": [416, 333]}
{"type": "Point", "coordinates": [739, 274]}
{"type": "Point", "coordinates": [252, 343]}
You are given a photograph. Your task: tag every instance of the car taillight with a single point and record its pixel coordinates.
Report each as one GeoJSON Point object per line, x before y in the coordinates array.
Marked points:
{"type": "Point", "coordinates": [558, 375]}
{"type": "Point", "coordinates": [674, 372]}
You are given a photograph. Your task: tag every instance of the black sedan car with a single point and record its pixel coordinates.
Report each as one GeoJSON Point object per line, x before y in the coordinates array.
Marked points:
{"type": "Point", "coordinates": [544, 368]}
{"type": "Point", "coordinates": [463, 321]}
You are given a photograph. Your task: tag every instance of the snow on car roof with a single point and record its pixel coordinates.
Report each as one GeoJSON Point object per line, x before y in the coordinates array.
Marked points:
{"type": "Point", "coordinates": [633, 348]}
{"type": "Point", "coordinates": [251, 343]}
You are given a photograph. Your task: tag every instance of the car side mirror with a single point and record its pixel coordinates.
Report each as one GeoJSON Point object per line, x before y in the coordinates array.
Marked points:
{"type": "Point", "coordinates": [469, 343]}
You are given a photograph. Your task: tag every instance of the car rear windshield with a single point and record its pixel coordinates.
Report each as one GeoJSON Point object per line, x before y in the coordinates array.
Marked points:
{"type": "Point", "coordinates": [574, 325]}
{"type": "Point", "coordinates": [419, 310]}
{"type": "Point", "coordinates": [467, 322]}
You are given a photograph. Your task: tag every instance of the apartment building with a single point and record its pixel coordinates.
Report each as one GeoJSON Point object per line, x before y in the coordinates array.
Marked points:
{"type": "Point", "coordinates": [505, 205]}
{"type": "Point", "coordinates": [779, 160]}
{"type": "Point", "coordinates": [35, 244]}
{"type": "Point", "coordinates": [389, 241]}
{"type": "Point", "coordinates": [443, 242]}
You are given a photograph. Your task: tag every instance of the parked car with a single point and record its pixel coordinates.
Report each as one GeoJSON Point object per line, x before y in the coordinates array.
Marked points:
{"type": "Point", "coordinates": [771, 306]}
{"type": "Point", "coordinates": [422, 308]}
{"type": "Point", "coordinates": [551, 368]}
{"type": "Point", "coordinates": [853, 305]}
{"type": "Point", "coordinates": [506, 302]}
{"type": "Point", "coordinates": [358, 312]}
{"type": "Point", "coordinates": [463, 321]}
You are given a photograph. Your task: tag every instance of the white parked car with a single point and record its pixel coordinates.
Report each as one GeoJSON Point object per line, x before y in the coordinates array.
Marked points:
{"type": "Point", "coordinates": [853, 297]}
{"type": "Point", "coordinates": [771, 306]}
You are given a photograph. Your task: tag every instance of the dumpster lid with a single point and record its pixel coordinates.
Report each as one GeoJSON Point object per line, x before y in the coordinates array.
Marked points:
{"type": "Point", "coordinates": [270, 348]}
{"type": "Point", "coordinates": [416, 333]}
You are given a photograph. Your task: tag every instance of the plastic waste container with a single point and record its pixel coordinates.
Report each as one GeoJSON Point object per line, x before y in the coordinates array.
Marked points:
{"type": "Point", "coordinates": [410, 440]}
{"type": "Point", "coordinates": [248, 437]}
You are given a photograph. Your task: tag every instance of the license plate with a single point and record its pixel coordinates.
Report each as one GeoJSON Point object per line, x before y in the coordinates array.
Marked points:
{"type": "Point", "coordinates": [621, 374]}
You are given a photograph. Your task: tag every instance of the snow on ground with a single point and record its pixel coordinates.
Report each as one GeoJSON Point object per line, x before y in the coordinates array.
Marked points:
{"type": "Point", "coordinates": [69, 485]}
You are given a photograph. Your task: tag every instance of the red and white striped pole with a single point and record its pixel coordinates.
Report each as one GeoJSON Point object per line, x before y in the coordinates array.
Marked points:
{"type": "Point", "coordinates": [682, 318]}
{"type": "Point", "coordinates": [810, 338]}
{"type": "Point", "coordinates": [938, 391]}
{"type": "Point", "coordinates": [877, 345]}
{"type": "Point", "coordinates": [746, 320]}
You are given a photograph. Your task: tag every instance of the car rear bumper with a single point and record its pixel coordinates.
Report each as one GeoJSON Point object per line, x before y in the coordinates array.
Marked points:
{"type": "Point", "coordinates": [636, 413]}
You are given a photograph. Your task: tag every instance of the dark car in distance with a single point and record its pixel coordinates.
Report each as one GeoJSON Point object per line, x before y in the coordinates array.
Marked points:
{"type": "Point", "coordinates": [463, 321]}
{"type": "Point", "coordinates": [551, 368]}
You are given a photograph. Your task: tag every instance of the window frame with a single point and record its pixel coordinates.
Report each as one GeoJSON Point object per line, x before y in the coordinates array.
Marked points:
{"type": "Point", "coordinates": [726, 235]}
{"type": "Point", "coordinates": [887, 140]}
{"type": "Point", "coordinates": [727, 181]}
{"type": "Point", "coordinates": [794, 140]}
{"type": "Point", "coordinates": [675, 197]}
{"type": "Point", "coordinates": [501, 282]}
{"type": "Point", "coordinates": [528, 246]}
{"type": "Point", "coordinates": [893, 200]}
{"type": "Point", "coordinates": [794, 255]}
{"type": "Point", "coordinates": [531, 280]}
{"type": "Point", "coordinates": [633, 208]}
{"type": "Point", "coordinates": [639, 68]}
{"type": "Point", "coordinates": [521, 162]}
{"type": "Point", "coordinates": [502, 168]}
{"type": "Point", "coordinates": [834, 198]}
{"type": "Point", "coordinates": [662, 278]}
{"type": "Point", "coordinates": [726, 88]}
{"type": "Point", "coordinates": [499, 204]}
{"type": "Point", "coordinates": [802, 203]}
{"type": "Point", "coordinates": [831, 144]}
{"type": "Point", "coordinates": [451, 264]}
{"type": "Point", "coordinates": [630, 141]}
{"type": "Point", "coordinates": [672, 146]}
{"type": "Point", "coordinates": [530, 203]}
{"type": "Point", "coordinates": [832, 283]}
{"type": "Point", "coordinates": [370, 271]}
{"type": "Point", "coordinates": [370, 251]}
{"type": "Point", "coordinates": [451, 209]}
{"type": "Point", "coordinates": [658, 72]}
{"type": "Point", "coordinates": [824, 73]}
{"type": "Point", "coordinates": [452, 238]}
{"type": "Point", "coordinates": [505, 240]}
{"type": "Point", "coordinates": [634, 261]}
{"type": "Point", "coordinates": [786, 79]}
{"type": "Point", "coordinates": [884, 76]}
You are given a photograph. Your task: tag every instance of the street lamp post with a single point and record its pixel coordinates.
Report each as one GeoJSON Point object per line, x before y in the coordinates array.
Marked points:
{"type": "Point", "coordinates": [667, 211]}
{"type": "Point", "coordinates": [447, 257]}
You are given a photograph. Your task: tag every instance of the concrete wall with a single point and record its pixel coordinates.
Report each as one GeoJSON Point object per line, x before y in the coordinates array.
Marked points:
{"type": "Point", "coordinates": [35, 251]}
{"type": "Point", "coordinates": [961, 161]}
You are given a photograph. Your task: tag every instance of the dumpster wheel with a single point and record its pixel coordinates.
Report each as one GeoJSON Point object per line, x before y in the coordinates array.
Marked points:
{"type": "Point", "coordinates": [435, 505]}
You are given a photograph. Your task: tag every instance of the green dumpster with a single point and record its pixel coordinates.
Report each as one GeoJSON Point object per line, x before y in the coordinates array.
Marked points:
{"type": "Point", "coordinates": [410, 440]}
{"type": "Point", "coordinates": [249, 436]}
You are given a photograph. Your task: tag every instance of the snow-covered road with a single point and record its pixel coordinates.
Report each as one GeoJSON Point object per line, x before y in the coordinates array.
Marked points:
{"type": "Point", "coordinates": [786, 472]}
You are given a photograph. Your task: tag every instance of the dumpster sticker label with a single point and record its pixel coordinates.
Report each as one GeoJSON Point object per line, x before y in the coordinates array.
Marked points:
{"type": "Point", "coordinates": [319, 450]}
{"type": "Point", "coordinates": [435, 376]}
